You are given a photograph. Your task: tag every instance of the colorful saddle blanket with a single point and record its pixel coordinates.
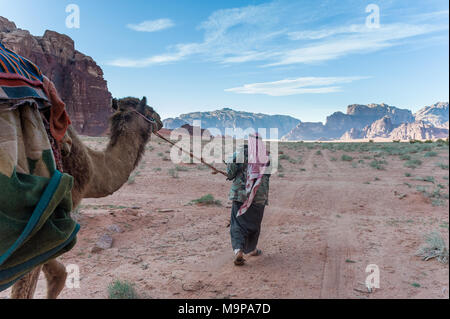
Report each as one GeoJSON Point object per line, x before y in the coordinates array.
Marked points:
{"type": "Point", "coordinates": [19, 78]}
{"type": "Point", "coordinates": [35, 198]}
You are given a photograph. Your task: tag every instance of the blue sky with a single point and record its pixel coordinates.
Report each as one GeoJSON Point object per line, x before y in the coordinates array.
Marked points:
{"type": "Point", "coordinates": [306, 59]}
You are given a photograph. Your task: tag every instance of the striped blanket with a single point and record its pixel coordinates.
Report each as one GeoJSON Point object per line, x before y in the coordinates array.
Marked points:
{"type": "Point", "coordinates": [19, 78]}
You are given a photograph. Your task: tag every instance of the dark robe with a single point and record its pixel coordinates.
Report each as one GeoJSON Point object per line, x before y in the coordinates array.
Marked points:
{"type": "Point", "coordinates": [245, 229]}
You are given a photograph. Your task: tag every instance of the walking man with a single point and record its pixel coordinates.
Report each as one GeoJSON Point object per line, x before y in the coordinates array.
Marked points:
{"type": "Point", "coordinates": [248, 169]}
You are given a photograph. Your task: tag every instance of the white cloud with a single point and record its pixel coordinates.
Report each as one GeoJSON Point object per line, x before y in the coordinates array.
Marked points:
{"type": "Point", "coordinates": [324, 33]}
{"type": "Point", "coordinates": [182, 50]}
{"type": "Point", "coordinates": [355, 40]}
{"type": "Point", "coordinates": [271, 35]}
{"type": "Point", "coordinates": [152, 25]}
{"type": "Point", "coordinates": [301, 85]}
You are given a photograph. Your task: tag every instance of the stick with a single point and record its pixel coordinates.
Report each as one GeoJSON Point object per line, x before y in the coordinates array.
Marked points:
{"type": "Point", "coordinates": [216, 171]}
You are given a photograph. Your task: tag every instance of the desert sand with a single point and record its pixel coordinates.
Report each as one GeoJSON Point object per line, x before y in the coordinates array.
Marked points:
{"type": "Point", "coordinates": [326, 221]}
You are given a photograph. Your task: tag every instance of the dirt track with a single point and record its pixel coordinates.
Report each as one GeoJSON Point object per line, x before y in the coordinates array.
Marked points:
{"type": "Point", "coordinates": [323, 227]}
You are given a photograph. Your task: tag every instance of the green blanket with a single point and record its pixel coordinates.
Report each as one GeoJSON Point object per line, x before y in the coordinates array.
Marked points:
{"type": "Point", "coordinates": [35, 198]}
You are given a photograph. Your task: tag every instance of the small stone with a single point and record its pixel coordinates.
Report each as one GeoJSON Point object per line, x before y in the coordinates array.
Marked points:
{"type": "Point", "coordinates": [104, 242]}
{"type": "Point", "coordinates": [166, 211]}
{"type": "Point", "coordinates": [115, 229]}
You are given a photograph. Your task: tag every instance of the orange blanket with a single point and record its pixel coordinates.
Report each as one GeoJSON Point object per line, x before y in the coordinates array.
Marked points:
{"type": "Point", "coordinates": [59, 119]}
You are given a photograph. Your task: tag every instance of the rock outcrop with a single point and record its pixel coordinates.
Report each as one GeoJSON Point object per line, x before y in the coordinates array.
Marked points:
{"type": "Point", "coordinates": [356, 123]}
{"type": "Point", "coordinates": [436, 115]}
{"type": "Point", "coordinates": [418, 131]}
{"type": "Point", "coordinates": [381, 128]}
{"type": "Point", "coordinates": [77, 77]}
{"type": "Point", "coordinates": [228, 118]}
{"type": "Point", "coordinates": [308, 131]}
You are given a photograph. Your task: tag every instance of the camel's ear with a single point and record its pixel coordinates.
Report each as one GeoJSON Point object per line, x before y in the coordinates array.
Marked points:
{"type": "Point", "coordinates": [115, 105]}
{"type": "Point", "coordinates": [143, 103]}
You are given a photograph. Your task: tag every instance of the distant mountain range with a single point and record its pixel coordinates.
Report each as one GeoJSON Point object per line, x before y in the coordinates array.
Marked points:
{"type": "Point", "coordinates": [228, 118]}
{"type": "Point", "coordinates": [360, 122]}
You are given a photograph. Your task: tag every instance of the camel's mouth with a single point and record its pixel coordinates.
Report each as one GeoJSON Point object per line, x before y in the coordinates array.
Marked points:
{"type": "Point", "coordinates": [159, 125]}
{"type": "Point", "coordinates": [155, 119]}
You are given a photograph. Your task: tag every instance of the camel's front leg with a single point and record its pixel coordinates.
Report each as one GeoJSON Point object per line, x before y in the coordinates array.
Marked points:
{"type": "Point", "coordinates": [25, 287]}
{"type": "Point", "coordinates": [56, 276]}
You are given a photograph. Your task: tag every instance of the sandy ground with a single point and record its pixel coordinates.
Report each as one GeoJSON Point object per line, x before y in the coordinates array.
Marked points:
{"type": "Point", "coordinates": [326, 221]}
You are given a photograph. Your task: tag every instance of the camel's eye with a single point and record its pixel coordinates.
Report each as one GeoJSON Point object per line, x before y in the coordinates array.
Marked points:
{"type": "Point", "coordinates": [150, 118]}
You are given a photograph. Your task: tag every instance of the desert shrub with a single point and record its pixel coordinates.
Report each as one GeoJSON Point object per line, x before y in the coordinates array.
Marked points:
{"type": "Point", "coordinates": [283, 157]}
{"type": "Point", "coordinates": [425, 148]}
{"type": "Point", "coordinates": [405, 157]}
{"type": "Point", "coordinates": [333, 159]}
{"type": "Point", "coordinates": [207, 200]}
{"type": "Point", "coordinates": [174, 173]}
{"type": "Point", "coordinates": [442, 165]}
{"type": "Point", "coordinates": [377, 164]}
{"type": "Point", "coordinates": [346, 158]}
{"type": "Point", "coordinates": [435, 195]}
{"type": "Point", "coordinates": [434, 247]}
{"type": "Point", "coordinates": [160, 154]}
{"type": "Point", "coordinates": [121, 290]}
{"type": "Point", "coordinates": [429, 179]}
{"type": "Point", "coordinates": [179, 168]}
{"type": "Point", "coordinates": [408, 174]}
{"type": "Point", "coordinates": [431, 154]}
{"type": "Point", "coordinates": [413, 163]}
{"type": "Point", "coordinates": [429, 141]}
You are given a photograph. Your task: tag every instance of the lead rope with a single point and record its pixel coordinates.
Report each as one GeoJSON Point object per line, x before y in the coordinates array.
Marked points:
{"type": "Point", "coordinates": [216, 171]}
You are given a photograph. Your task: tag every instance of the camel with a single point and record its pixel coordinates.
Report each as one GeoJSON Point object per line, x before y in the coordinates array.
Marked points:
{"type": "Point", "coordinates": [97, 174]}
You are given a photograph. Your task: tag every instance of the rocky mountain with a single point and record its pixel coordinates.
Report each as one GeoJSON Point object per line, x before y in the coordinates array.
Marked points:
{"type": "Point", "coordinates": [228, 118]}
{"type": "Point", "coordinates": [418, 131]}
{"type": "Point", "coordinates": [77, 77]}
{"type": "Point", "coordinates": [381, 128]}
{"type": "Point", "coordinates": [357, 118]}
{"type": "Point", "coordinates": [431, 123]}
{"type": "Point", "coordinates": [436, 115]}
{"type": "Point", "coordinates": [308, 131]}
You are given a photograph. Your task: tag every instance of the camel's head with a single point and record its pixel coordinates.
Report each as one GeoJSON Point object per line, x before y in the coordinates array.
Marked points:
{"type": "Point", "coordinates": [128, 104]}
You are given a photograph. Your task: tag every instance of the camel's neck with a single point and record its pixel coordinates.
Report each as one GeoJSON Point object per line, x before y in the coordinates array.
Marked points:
{"type": "Point", "coordinates": [101, 173]}
{"type": "Point", "coordinates": [112, 167]}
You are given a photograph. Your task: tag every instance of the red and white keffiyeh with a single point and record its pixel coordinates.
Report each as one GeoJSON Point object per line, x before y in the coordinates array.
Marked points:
{"type": "Point", "coordinates": [258, 160]}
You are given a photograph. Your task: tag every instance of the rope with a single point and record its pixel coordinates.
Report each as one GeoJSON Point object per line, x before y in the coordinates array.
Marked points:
{"type": "Point", "coordinates": [216, 171]}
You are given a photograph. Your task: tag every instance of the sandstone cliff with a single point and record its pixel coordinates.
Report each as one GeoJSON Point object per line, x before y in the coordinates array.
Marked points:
{"type": "Point", "coordinates": [77, 77]}
{"type": "Point", "coordinates": [377, 121]}
{"type": "Point", "coordinates": [436, 115]}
